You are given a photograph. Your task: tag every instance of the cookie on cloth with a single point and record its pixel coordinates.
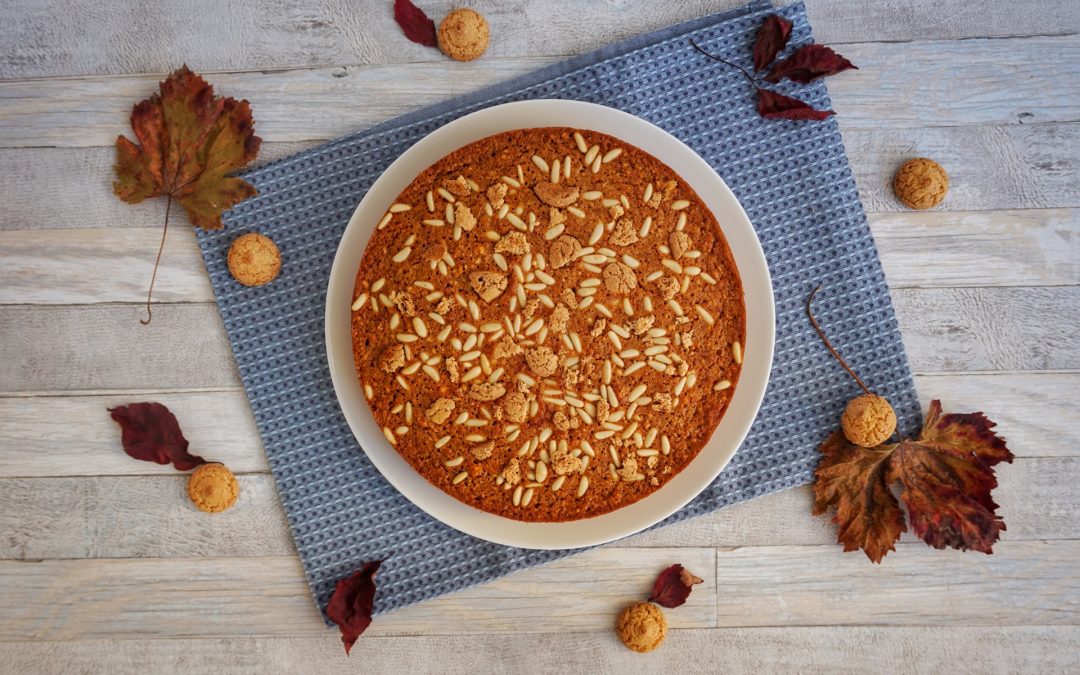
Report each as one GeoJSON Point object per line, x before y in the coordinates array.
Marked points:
{"type": "Point", "coordinates": [254, 259]}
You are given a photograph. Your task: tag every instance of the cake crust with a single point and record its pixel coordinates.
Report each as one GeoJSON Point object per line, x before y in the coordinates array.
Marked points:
{"type": "Point", "coordinates": [548, 324]}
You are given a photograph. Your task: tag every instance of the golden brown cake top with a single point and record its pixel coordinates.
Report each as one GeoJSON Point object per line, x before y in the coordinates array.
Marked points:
{"type": "Point", "coordinates": [548, 324]}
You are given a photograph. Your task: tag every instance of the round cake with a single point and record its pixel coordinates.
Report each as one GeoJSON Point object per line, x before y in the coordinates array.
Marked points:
{"type": "Point", "coordinates": [548, 324]}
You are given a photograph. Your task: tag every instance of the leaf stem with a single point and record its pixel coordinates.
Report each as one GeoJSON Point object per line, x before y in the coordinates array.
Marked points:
{"type": "Point", "coordinates": [714, 57]}
{"type": "Point", "coordinates": [153, 276]}
{"type": "Point", "coordinates": [821, 334]}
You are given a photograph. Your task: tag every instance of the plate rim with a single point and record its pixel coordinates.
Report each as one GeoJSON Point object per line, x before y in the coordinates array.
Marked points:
{"type": "Point", "coordinates": [567, 534]}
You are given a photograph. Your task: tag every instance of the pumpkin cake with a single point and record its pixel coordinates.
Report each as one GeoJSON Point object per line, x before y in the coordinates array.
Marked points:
{"type": "Point", "coordinates": [548, 324]}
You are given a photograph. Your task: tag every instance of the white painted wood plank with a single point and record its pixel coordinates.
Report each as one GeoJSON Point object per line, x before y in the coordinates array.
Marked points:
{"type": "Point", "coordinates": [990, 168]}
{"type": "Point", "coordinates": [105, 347]}
{"type": "Point", "coordinates": [985, 329]}
{"type": "Point", "coordinates": [88, 599]}
{"type": "Point", "coordinates": [71, 188]}
{"type": "Point", "coordinates": [75, 436]}
{"type": "Point", "coordinates": [917, 84]}
{"type": "Point", "coordinates": [828, 650]}
{"type": "Point", "coordinates": [72, 348]}
{"type": "Point", "coordinates": [151, 517]}
{"type": "Point", "coordinates": [71, 435]}
{"type": "Point", "coordinates": [88, 266]}
{"type": "Point", "coordinates": [51, 38]}
{"type": "Point", "coordinates": [1039, 247]}
{"type": "Point", "coordinates": [137, 517]}
{"type": "Point", "coordinates": [1031, 583]}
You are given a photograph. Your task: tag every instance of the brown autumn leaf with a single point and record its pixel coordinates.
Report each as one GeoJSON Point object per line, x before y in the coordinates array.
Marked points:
{"type": "Point", "coordinates": [946, 476]}
{"type": "Point", "coordinates": [189, 142]}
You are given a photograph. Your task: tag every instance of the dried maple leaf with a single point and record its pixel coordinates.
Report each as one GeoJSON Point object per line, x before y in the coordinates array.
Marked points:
{"type": "Point", "coordinates": [771, 38]}
{"type": "Point", "coordinates": [352, 602]}
{"type": "Point", "coordinates": [774, 106]}
{"type": "Point", "coordinates": [855, 481]}
{"type": "Point", "coordinates": [151, 433]}
{"type": "Point", "coordinates": [947, 477]}
{"type": "Point", "coordinates": [673, 586]}
{"type": "Point", "coordinates": [415, 24]}
{"type": "Point", "coordinates": [189, 141]}
{"type": "Point", "coordinates": [808, 63]}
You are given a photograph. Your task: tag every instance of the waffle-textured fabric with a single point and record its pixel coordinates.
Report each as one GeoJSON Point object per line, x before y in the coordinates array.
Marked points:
{"type": "Point", "coordinates": [792, 178]}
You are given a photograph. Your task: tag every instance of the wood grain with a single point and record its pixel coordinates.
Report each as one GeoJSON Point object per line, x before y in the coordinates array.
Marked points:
{"type": "Point", "coordinates": [57, 348]}
{"type": "Point", "coordinates": [1030, 583]}
{"type": "Point", "coordinates": [816, 649]}
{"type": "Point", "coordinates": [151, 517]}
{"type": "Point", "coordinates": [191, 597]}
{"type": "Point", "coordinates": [75, 436]}
{"type": "Point", "coordinates": [917, 84]}
{"type": "Point", "coordinates": [983, 329]}
{"type": "Point", "coordinates": [72, 435]}
{"type": "Point", "coordinates": [50, 38]}
{"type": "Point", "coordinates": [986, 248]}
{"type": "Point", "coordinates": [990, 168]}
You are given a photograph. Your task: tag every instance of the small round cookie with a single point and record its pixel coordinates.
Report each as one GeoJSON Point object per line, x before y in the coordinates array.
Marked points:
{"type": "Point", "coordinates": [254, 260]}
{"type": "Point", "coordinates": [463, 35]}
{"type": "Point", "coordinates": [868, 420]}
{"type": "Point", "coordinates": [642, 626]}
{"type": "Point", "coordinates": [213, 488]}
{"type": "Point", "coordinates": [921, 183]}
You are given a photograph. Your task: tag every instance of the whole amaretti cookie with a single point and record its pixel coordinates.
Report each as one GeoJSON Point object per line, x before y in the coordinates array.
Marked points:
{"type": "Point", "coordinates": [254, 259]}
{"type": "Point", "coordinates": [463, 35]}
{"type": "Point", "coordinates": [868, 420]}
{"type": "Point", "coordinates": [921, 183]}
{"type": "Point", "coordinates": [213, 488]}
{"type": "Point", "coordinates": [642, 626]}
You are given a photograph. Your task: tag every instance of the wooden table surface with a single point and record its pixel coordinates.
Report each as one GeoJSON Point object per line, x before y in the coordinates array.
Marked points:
{"type": "Point", "coordinates": [104, 564]}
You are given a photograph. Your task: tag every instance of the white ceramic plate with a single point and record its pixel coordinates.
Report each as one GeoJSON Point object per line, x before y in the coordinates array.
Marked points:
{"type": "Point", "coordinates": [760, 328]}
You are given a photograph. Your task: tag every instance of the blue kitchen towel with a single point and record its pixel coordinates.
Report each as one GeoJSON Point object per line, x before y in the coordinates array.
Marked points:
{"type": "Point", "coordinates": [792, 178]}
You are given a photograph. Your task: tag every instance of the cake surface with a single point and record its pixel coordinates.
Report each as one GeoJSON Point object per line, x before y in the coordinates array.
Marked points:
{"type": "Point", "coordinates": [548, 324]}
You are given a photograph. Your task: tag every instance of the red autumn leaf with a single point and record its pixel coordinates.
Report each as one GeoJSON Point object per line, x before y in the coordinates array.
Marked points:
{"type": "Point", "coordinates": [773, 35]}
{"type": "Point", "coordinates": [673, 586]}
{"type": "Point", "coordinates": [150, 432]}
{"type": "Point", "coordinates": [808, 63]}
{"type": "Point", "coordinates": [414, 23]}
{"type": "Point", "coordinates": [774, 106]}
{"type": "Point", "coordinates": [351, 604]}
{"type": "Point", "coordinates": [946, 476]}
